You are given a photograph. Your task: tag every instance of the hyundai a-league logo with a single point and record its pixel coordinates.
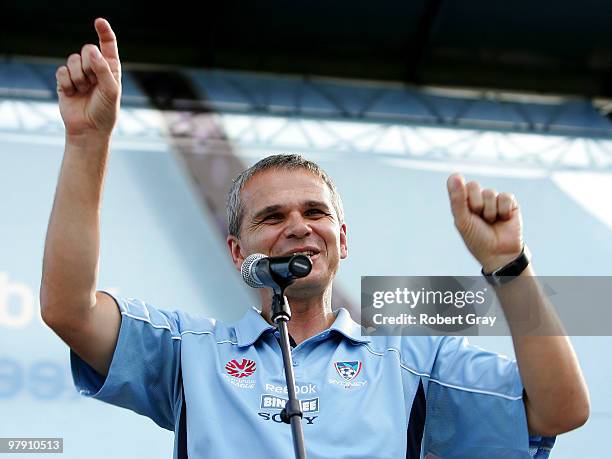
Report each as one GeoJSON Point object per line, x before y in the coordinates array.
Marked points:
{"type": "Point", "coordinates": [240, 370]}
{"type": "Point", "coordinates": [348, 370]}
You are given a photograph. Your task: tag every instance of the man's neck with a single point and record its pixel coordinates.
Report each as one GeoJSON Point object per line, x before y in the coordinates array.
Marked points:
{"type": "Point", "coordinates": [309, 317]}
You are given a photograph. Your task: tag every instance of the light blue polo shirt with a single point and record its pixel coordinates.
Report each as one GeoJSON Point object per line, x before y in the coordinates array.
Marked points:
{"type": "Point", "coordinates": [221, 388]}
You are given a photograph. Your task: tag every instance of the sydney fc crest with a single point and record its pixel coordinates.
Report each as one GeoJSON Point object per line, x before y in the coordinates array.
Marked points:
{"type": "Point", "coordinates": [348, 370]}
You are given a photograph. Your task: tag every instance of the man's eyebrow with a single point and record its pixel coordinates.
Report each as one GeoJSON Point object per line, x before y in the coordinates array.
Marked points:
{"type": "Point", "coordinates": [320, 204]}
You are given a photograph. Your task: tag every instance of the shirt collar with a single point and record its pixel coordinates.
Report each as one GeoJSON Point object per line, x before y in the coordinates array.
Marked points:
{"type": "Point", "coordinates": [252, 326]}
{"type": "Point", "coordinates": [345, 325]}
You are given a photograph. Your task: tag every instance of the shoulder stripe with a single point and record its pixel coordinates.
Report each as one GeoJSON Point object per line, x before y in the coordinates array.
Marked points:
{"type": "Point", "coordinates": [437, 381]}
{"type": "Point", "coordinates": [403, 365]}
{"type": "Point", "coordinates": [227, 342]}
{"type": "Point", "coordinates": [143, 319]}
{"type": "Point", "coordinates": [193, 332]}
{"type": "Point", "coordinates": [477, 391]}
{"type": "Point", "coordinates": [167, 327]}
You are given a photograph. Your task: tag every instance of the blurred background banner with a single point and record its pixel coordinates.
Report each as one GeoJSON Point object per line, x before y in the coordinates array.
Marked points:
{"type": "Point", "coordinates": [409, 95]}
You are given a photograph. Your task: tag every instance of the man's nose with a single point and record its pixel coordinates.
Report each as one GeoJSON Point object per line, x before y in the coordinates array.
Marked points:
{"type": "Point", "coordinates": [297, 226]}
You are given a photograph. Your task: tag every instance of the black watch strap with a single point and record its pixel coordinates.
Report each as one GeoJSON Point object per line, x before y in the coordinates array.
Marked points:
{"type": "Point", "coordinates": [508, 272]}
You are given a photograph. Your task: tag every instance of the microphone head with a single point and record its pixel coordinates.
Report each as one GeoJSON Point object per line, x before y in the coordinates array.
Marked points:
{"type": "Point", "coordinates": [300, 266]}
{"type": "Point", "coordinates": [248, 274]}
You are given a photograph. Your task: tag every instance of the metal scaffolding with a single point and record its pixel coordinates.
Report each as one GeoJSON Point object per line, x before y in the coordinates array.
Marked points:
{"type": "Point", "coordinates": [316, 115]}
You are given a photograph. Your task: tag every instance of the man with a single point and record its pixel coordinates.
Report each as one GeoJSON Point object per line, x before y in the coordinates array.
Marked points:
{"type": "Point", "coordinates": [221, 387]}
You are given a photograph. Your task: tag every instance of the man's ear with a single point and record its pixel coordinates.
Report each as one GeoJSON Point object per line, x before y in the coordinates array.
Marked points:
{"type": "Point", "coordinates": [233, 243]}
{"type": "Point", "coordinates": [343, 242]}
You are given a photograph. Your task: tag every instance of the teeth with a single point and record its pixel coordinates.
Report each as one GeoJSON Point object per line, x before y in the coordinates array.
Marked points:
{"type": "Point", "coordinates": [309, 253]}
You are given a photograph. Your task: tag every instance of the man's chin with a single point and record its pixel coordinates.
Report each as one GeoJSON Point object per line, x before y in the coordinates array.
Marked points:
{"type": "Point", "coordinates": [305, 288]}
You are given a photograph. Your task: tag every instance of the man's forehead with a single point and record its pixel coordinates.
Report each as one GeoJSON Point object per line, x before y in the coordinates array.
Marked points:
{"type": "Point", "coordinates": [274, 181]}
{"type": "Point", "coordinates": [278, 187]}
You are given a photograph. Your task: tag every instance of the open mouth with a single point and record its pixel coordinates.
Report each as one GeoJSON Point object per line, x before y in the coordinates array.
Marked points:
{"type": "Point", "coordinates": [311, 253]}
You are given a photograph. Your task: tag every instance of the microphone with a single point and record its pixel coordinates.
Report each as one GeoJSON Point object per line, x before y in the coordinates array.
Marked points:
{"type": "Point", "coordinates": [260, 271]}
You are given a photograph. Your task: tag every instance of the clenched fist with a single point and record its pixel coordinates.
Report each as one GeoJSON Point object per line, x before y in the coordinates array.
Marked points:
{"type": "Point", "coordinates": [89, 86]}
{"type": "Point", "coordinates": [489, 223]}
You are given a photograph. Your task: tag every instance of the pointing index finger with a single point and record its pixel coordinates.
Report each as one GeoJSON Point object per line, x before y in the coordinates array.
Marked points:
{"type": "Point", "coordinates": [108, 40]}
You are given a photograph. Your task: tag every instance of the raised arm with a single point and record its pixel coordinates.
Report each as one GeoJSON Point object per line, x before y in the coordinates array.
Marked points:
{"type": "Point", "coordinates": [89, 90]}
{"type": "Point", "coordinates": [490, 224]}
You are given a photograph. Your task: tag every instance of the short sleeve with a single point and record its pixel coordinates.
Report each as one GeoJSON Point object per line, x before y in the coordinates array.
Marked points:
{"type": "Point", "coordinates": [144, 372]}
{"type": "Point", "coordinates": [474, 406]}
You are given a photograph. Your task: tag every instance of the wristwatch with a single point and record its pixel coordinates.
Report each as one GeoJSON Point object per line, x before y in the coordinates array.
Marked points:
{"type": "Point", "coordinates": [508, 272]}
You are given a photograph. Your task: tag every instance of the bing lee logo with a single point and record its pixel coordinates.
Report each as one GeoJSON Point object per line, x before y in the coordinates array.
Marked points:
{"type": "Point", "coordinates": [240, 370]}
{"type": "Point", "coordinates": [273, 402]}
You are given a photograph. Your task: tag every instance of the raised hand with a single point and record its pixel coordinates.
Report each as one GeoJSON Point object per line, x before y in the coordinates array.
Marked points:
{"type": "Point", "coordinates": [89, 86]}
{"type": "Point", "coordinates": [489, 223]}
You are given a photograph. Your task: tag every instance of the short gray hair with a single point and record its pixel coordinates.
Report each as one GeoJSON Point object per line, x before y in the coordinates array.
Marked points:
{"type": "Point", "coordinates": [235, 207]}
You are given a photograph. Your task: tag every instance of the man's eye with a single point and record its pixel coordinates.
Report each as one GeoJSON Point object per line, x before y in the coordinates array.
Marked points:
{"type": "Point", "coordinates": [315, 212]}
{"type": "Point", "coordinates": [273, 217]}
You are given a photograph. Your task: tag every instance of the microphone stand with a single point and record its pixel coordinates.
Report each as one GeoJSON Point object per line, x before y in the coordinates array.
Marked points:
{"type": "Point", "coordinates": [292, 413]}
